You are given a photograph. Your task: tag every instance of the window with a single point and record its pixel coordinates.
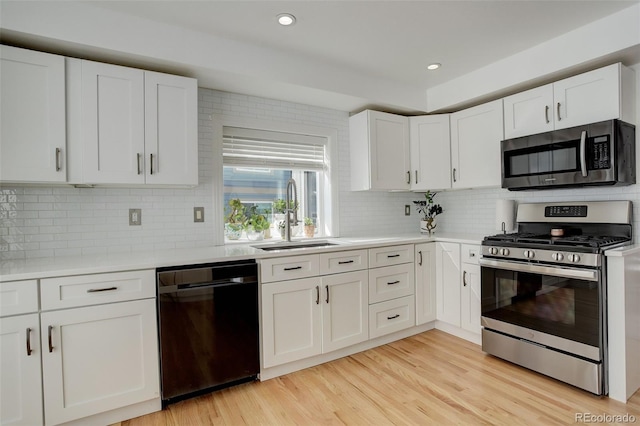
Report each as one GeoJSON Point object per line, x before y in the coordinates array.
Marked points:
{"type": "Point", "coordinates": [257, 164]}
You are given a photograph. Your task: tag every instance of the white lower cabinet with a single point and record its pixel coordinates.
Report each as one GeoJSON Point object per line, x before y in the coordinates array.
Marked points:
{"type": "Point", "coordinates": [98, 358]}
{"type": "Point", "coordinates": [458, 286]}
{"type": "Point", "coordinates": [425, 271]}
{"type": "Point", "coordinates": [20, 369]}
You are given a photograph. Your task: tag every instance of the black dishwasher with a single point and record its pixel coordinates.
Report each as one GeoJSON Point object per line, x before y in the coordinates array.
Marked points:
{"type": "Point", "coordinates": [208, 327]}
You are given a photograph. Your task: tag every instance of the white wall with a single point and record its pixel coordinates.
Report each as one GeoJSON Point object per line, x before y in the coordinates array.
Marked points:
{"type": "Point", "coordinates": [45, 221]}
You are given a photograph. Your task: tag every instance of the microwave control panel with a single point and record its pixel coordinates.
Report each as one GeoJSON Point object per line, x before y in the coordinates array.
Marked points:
{"type": "Point", "coordinates": [600, 155]}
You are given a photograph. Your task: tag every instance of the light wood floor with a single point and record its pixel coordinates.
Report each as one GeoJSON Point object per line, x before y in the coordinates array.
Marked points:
{"type": "Point", "coordinates": [431, 378]}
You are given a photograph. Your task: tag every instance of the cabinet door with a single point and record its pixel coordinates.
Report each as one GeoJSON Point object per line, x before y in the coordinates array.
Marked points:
{"type": "Point", "coordinates": [32, 113]}
{"type": "Point", "coordinates": [291, 323]}
{"type": "Point", "coordinates": [345, 310]}
{"type": "Point", "coordinates": [430, 152]}
{"type": "Point", "coordinates": [112, 123]}
{"type": "Point", "coordinates": [390, 162]}
{"type": "Point", "coordinates": [529, 112]}
{"type": "Point", "coordinates": [470, 304]}
{"type": "Point", "coordinates": [21, 384]}
{"type": "Point", "coordinates": [587, 98]}
{"type": "Point", "coordinates": [475, 146]}
{"type": "Point", "coordinates": [99, 358]}
{"type": "Point", "coordinates": [171, 129]}
{"type": "Point", "coordinates": [448, 283]}
{"type": "Point", "coordinates": [425, 282]}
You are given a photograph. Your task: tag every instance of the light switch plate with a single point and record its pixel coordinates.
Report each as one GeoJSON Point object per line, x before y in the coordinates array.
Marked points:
{"type": "Point", "coordinates": [198, 214]}
{"type": "Point", "coordinates": [407, 210]}
{"type": "Point", "coordinates": [135, 217]}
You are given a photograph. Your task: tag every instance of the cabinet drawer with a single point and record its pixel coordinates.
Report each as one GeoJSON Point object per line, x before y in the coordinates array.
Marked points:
{"type": "Point", "coordinates": [470, 253]}
{"type": "Point", "coordinates": [18, 297]}
{"type": "Point", "coordinates": [391, 316]}
{"type": "Point", "coordinates": [85, 290]}
{"type": "Point", "coordinates": [391, 282]}
{"type": "Point", "coordinates": [289, 268]}
{"type": "Point", "coordinates": [343, 261]}
{"type": "Point", "coordinates": [392, 255]}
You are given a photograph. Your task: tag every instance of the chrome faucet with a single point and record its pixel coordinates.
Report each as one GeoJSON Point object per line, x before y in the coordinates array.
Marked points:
{"type": "Point", "coordinates": [291, 184]}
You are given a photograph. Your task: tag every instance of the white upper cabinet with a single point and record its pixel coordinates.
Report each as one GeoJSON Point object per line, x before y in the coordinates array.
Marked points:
{"type": "Point", "coordinates": [430, 152]}
{"type": "Point", "coordinates": [171, 129]}
{"type": "Point", "coordinates": [475, 146]}
{"type": "Point", "coordinates": [602, 94]}
{"type": "Point", "coordinates": [112, 123]}
{"type": "Point", "coordinates": [138, 126]}
{"type": "Point", "coordinates": [32, 113]}
{"type": "Point", "coordinates": [379, 151]}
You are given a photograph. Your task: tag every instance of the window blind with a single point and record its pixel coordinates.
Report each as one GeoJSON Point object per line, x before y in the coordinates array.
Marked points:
{"type": "Point", "coordinates": [262, 148]}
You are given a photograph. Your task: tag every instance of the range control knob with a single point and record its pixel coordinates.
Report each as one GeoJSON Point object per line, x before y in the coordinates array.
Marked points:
{"type": "Point", "coordinates": [529, 254]}
{"type": "Point", "coordinates": [557, 256]}
{"type": "Point", "coordinates": [504, 252]}
{"type": "Point", "coordinates": [493, 251]}
{"type": "Point", "coordinates": [574, 258]}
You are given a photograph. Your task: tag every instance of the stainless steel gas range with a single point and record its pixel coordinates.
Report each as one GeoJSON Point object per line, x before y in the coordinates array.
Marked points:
{"type": "Point", "coordinates": [543, 289]}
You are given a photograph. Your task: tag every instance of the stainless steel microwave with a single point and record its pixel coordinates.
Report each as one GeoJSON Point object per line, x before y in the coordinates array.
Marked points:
{"type": "Point", "coordinates": [596, 154]}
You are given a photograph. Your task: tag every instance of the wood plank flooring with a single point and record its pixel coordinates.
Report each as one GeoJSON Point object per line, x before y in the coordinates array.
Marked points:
{"type": "Point", "coordinates": [430, 378]}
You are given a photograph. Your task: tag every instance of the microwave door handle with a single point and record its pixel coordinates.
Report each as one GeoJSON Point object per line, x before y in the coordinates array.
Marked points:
{"type": "Point", "coordinates": [583, 153]}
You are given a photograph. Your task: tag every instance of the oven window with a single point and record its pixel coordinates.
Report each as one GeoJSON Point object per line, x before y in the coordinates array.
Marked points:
{"type": "Point", "coordinates": [562, 307]}
{"type": "Point", "coordinates": [543, 160]}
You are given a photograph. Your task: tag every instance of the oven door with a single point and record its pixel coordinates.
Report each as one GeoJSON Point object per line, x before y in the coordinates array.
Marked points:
{"type": "Point", "coordinates": [556, 307]}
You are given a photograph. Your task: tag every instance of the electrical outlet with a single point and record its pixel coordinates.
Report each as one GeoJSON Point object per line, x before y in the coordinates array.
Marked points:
{"type": "Point", "coordinates": [198, 214]}
{"type": "Point", "coordinates": [135, 217]}
{"type": "Point", "coordinates": [407, 210]}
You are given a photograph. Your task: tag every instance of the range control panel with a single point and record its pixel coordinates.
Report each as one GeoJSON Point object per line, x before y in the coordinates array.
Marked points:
{"type": "Point", "coordinates": [565, 211]}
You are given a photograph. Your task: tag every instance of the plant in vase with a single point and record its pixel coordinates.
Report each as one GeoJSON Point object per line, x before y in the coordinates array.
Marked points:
{"type": "Point", "coordinates": [257, 225]}
{"type": "Point", "coordinates": [429, 210]}
{"type": "Point", "coordinates": [235, 220]}
{"type": "Point", "coordinates": [309, 227]}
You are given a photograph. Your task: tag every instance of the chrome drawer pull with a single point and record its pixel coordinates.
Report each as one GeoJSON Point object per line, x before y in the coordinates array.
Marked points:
{"type": "Point", "coordinates": [97, 290]}
{"type": "Point", "coordinates": [293, 268]}
{"type": "Point", "coordinates": [393, 317]}
{"type": "Point", "coordinates": [345, 262]}
{"type": "Point", "coordinates": [392, 255]}
{"type": "Point", "coordinates": [393, 282]}
{"type": "Point", "coordinates": [29, 342]}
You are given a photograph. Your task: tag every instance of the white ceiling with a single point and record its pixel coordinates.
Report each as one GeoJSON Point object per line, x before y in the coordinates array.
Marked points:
{"type": "Point", "coordinates": [385, 41]}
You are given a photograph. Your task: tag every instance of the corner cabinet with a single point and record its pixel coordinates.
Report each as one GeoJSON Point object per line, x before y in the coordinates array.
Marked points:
{"type": "Point", "coordinates": [602, 94]}
{"type": "Point", "coordinates": [475, 146]}
{"type": "Point", "coordinates": [32, 113]}
{"type": "Point", "coordinates": [379, 151]}
{"type": "Point", "coordinates": [430, 144]}
{"type": "Point", "coordinates": [138, 127]}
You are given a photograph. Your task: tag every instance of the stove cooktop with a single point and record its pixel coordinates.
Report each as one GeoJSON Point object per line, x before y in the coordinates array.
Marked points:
{"type": "Point", "coordinates": [587, 241]}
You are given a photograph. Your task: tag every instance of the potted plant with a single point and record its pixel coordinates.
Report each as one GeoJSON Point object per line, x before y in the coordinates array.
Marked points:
{"type": "Point", "coordinates": [256, 225]}
{"type": "Point", "coordinates": [429, 210]}
{"type": "Point", "coordinates": [235, 219]}
{"type": "Point", "coordinates": [309, 227]}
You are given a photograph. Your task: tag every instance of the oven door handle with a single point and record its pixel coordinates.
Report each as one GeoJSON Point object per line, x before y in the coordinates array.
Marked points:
{"type": "Point", "coordinates": [582, 274]}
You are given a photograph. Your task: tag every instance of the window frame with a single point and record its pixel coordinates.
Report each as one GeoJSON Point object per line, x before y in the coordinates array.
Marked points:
{"type": "Point", "coordinates": [328, 203]}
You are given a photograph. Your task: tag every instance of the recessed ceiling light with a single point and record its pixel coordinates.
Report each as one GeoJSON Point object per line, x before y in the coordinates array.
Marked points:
{"type": "Point", "coordinates": [286, 19]}
{"type": "Point", "coordinates": [433, 66]}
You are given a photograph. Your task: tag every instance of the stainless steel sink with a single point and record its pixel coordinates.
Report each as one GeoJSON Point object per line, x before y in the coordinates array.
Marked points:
{"type": "Point", "coordinates": [293, 245]}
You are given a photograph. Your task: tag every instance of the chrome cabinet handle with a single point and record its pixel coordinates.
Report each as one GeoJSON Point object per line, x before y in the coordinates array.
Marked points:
{"type": "Point", "coordinates": [546, 114]}
{"type": "Point", "coordinates": [393, 282]}
{"type": "Point", "coordinates": [454, 175]}
{"type": "Point", "coordinates": [416, 176]}
{"type": "Point", "coordinates": [317, 295]}
{"type": "Point", "coordinates": [151, 163]}
{"type": "Point", "coordinates": [58, 164]}
{"type": "Point", "coordinates": [420, 261]}
{"type": "Point", "coordinates": [409, 177]}
{"type": "Point", "coordinates": [50, 331]}
{"type": "Point", "coordinates": [293, 268]}
{"type": "Point", "coordinates": [139, 168]}
{"type": "Point", "coordinates": [464, 278]}
{"type": "Point", "coordinates": [327, 299]}
{"type": "Point", "coordinates": [29, 342]}
{"type": "Point", "coordinates": [389, 256]}
{"type": "Point", "coordinates": [97, 290]}
{"type": "Point", "coordinates": [393, 316]}
{"type": "Point", "coordinates": [345, 262]}
{"type": "Point", "coordinates": [558, 111]}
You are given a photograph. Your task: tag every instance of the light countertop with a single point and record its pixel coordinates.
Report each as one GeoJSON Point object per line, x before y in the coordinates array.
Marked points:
{"type": "Point", "coordinates": [26, 269]}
